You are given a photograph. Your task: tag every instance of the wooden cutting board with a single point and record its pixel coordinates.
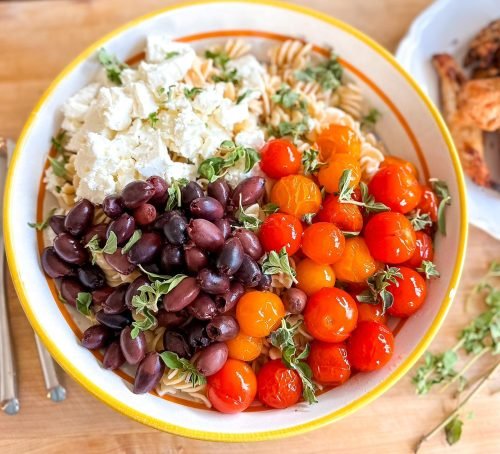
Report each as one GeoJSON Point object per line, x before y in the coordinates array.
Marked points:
{"type": "Point", "coordinates": [37, 39]}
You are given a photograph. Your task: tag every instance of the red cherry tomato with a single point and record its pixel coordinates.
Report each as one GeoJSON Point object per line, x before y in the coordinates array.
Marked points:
{"type": "Point", "coordinates": [409, 293]}
{"type": "Point", "coordinates": [429, 203]}
{"type": "Point", "coordinates": [323, 242]}
{"type": "Point", "coordinates": [278, 386]}
{"type": "Point", "coordinates": [233, 388]}
{"type": "Point", "coordinates": [330, 315]}
{"type": "Point", "coordinates": [328, 363]}
{"type": "Point", "coordinates": [370, 346]}
{"type": "Point", "coordinates": [279, 158]}
{"type": "Point", "coordinates": [280, 231]}
{"type": "Point", "coordinates": [424, 250]}
{"type": "Point", "coordinates": [345, 216]}
{"type": "Point", "coordinates": [397, 188]}
{"type": "Point", "coordinates": [390, 237]}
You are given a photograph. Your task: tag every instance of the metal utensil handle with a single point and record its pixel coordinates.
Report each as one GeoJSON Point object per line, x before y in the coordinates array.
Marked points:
{"type": "Point", "coordinates": [55, 391]}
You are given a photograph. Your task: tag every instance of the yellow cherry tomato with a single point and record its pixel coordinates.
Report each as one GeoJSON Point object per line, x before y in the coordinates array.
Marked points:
{"type": "Point", "coordinates": [356, 263]}
{"type": "Point", "coordinates": [244, 347]}
{"type": "Point", "coordinates": [313, 276]}
{"type": "Point", "coordinates": [338, 139]}
{"type": "Point", "coordinates": [258, 313]}
{"type": "Point", "coordinates": [296, 195]}
{"type": "Point", "coordinates": [330, 174]}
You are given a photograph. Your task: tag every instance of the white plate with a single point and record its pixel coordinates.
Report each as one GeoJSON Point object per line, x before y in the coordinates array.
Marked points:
{"type": "Point", "coordinates": [447, 26]}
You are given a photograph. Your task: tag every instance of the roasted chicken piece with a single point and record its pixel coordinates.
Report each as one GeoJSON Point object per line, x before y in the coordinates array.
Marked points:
{"type": "Point", "coordinates": [484, 48]}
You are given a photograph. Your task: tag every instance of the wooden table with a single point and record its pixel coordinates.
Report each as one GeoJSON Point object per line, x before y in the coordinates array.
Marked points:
{"type": "Point", "coordinates": [38, 38]}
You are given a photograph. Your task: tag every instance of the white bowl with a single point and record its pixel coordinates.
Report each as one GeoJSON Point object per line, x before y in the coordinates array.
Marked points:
{"type": "Point", "coordinates": [410, 127]}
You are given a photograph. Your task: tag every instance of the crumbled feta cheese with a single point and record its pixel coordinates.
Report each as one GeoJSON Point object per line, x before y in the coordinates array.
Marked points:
{"type": "Point", "coordinates": [250, 71]}
{"type": "Point", "coordinates": [161, 47]}
{"type": "Point", "coordinates": [253, 138]}
{"type": "Point", "coordinates": [116, 107]}
{"type": "Point", "coordinates": [229, 114]}
{"type": "Point", "coordinates": [128, 76]}
{"type": "Point", "coordinates": [209, 99]}
{"type": "Point", "coordinates": [143, 101]}
{"type": "Point", "coordinates": [76, 107]}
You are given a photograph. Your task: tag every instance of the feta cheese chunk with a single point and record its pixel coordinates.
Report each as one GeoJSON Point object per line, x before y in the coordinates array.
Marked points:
{"type": "Point", "coordinates": [144, 102]}
{"type": "Point", "coordinates": [116, 107]}
{"type": "Point", "coordinates": [161, 47]}
{"type": "Point", "coordinates": [76, 107]}
{"type": "Point", "coordinates": [250, 71]}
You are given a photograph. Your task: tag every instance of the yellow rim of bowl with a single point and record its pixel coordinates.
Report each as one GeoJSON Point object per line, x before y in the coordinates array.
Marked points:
{"type": "Point", "coordinates": [264, 435]}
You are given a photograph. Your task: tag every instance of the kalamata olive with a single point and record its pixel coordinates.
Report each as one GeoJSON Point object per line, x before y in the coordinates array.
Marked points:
{"type": "Point", "coordinates": [149, 373]}
{"type": "Point", "coordinates": [265, 282]}
{"type": "Point", "coordinates": [195, 258]}
{"type": "Point", "coordinates": [171, 319]}
{"type": "Point", "coordinates": [197, 335]}
{"type": "Point", "coordinates": [70, 288]}
{"type": "Point", "coordinates": [212, 358]}
{"type": "Point", "coordinates": [213, 282]}
{"type": "Point", "coordinates": [98, 230]}
{"type": "Point", "coordinates": [133, 289]}
{"type": "Point", "coordinates": [175, 342]}
{"type": "Point", "coordinates": [203, 307]}
{"type": "Point", "coordinates": [115, 303]}
{"type": "Point", "coordinates": [175, 228]}
{"type": "Point", "coordinates": [91, 276]}
{"type": "Point", "coordinates": [182, 295]}
{"type": "Point", "coordinates": [145, 214]}
{"type": "Point", "coordinates": [96, 336]}
{"type": "Point", "coordinates": [294, 300]}
{"type": "Point", "coordinates": [152, 268]}
{"type": "Point", "coordinates": [123, 227]}
{"type": "Point", "coordinates": [250, 242]}
{"type": "Point", "coordinates": [114, 321]}
{"type": "Point", "coordinates": [230, 257]}
{"type": "Point", "coordinates": [79, 217]}
{"type": "Point", "coordinates": [133, 349]}
{"type": "Point", "coordinates": [56, 223]}
{"type": "Point", "coordinates": [219, 190]}
{"type": "Point", "coordinates": [119, 262]}
{"type": "Point", "coordinates": [100, 295]}
{"type": "Point", "coordinates": [249, 273]}
{"type": "Point", "coordinates": [224, 226]}
{"type": "Point", "coordinates": [222, 328]}
{"type": "Point", "coordinates": [205, 235]}
{"type": "Point", "coordinates": [206, 208]}
{"type": "Point", "coordinates": [146, 249]}
{"type": "Point", "coordinates": [70, 249]}
{"type": "Point", "coordinates": [112, 206]}
{"type": "Point", "coordinates": [160, 187]}
{"type": "Point", "coordinates": [227, 301]}
{"type": "Point", "coordinates": [53, 265]}
{"type": "Point", "coordinates": [161, 220]}
{"type": "Point", "coordinates": [113, 358]}
{"type": "Point", "coordinates": [171, 258]}
{"type": "Point", "coordinates": [136, 193]}
{"type": "Point", "coordinates": [190, 192]}
{"type": "Point", "coordinates": [249, 191]}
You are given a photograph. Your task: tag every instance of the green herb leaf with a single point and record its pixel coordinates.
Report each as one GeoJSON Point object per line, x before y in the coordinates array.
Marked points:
{"type": "Point", "coordinates": [270, 208]}
{"type": "Point", "coordinates": [345, 190]}
{"type": "Point", "coordinates": [227, 76]}
{"type": "Point", "coordinates": [212, 168]}
{"type": "Point", "coordinates": [289, 99]}
{"type": "Point", "coordinates": [367, 200]}
{"type": "Point", "coordinates": [133, 239]}
{"type": "Point", "coordinates": [251, 158]}
{"type": "Point", "coordinates": [440, 187]}
{"type": "Point", "coordinates": [58, 167]}
{"type": "Point", "coordinates": [419, 220]}
{"type": "Point", "coordinates": [436, 369]}
{"type": "Point", "coordinates": [83, 302]}
{"type": "Point", "coordinates": [377, 288]}
{"type": "Point", "coordinates": [249, 221]}
{"type": "Point", "coordinates": [277, 263]}
{"type": "Point", "coordinates": [153, 119]}
{"type": "Point", "coordinates": [153, 276]}
{"type": "Point", "coordinates": [45, 223]}
{"type": "Point", "coordinates": [171, 54]}
{"type": "Point", "coordinates": [112, 66]}
{"type": "Point", "coordinates": [308, 218]}
{"type": "Point", "coordinates": [311, 162]}
{"type": "Point", "coordinates": [58, 142]}
{"type": "Point", "coordinates": [429, 269]}
{"type": "Point", "coordinates": [241, 97]}
{"type": "Point", "coordinates": [350, 234]}
{"type": "Point", "coordinates": [173, 361]}
{"type": "Point", "coordinates": [295, 130]}
{"type": "Point", "coordinates": [453, 430]}
{"type": "Point", "coordinates": [219, 57]}
{"type": "Point", "coordinates": [327, 73]}
{"type": "Point", "coordinates": [145, 324]}
{"type": "Point", "coordinates": [370, 119]}
{"type": "Point", "coordinates": [191, 93]}
{"type": "Point", "coordinates": [175, 194]}
{"type": "Point", "coordinates": [109, 248]}
{"type": "Point", "coordinates": [111, 244]}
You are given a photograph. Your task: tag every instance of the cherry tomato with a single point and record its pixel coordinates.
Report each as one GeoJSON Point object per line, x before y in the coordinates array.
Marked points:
{"type": "Point", "coordinates": [279, 158]}
{"type": "Point", "coordinates": [346, 216]}
{"type": "Point", "coordinates": [323, 242]}
{"type": "Point", "coordinates": [244, 347]}
{"type": "Point", "coordinates": [330, 315]}
{"type": "Point", "coordinates": [424, 250]}
{"type": "Point", "coordinates": [356, 263]}
{"type": "Point", "coordinates": [407, 165]}
{"type": "Point", "coordinates": [328, 363]}
{"type": "Point", "coordinates": [409, 293]}
{"type": "Point", "coordinates": [233, 388]}
{"type": "Point", "coordinates": [280, 231]}
{"type": "Point", "coordinates": [329, 175]}
{"type": "Point", "coordinates": [370, 346]}
{"type": "Point", "coordinates": [390, 237]}
{"type": "Point", "coordinates": [278, 386]}
{"type": "Point", "coordinates": [371, 313]}
{"type": "Point", "coordinates": [429, 203]}
{"type": "Point", "coordinates": [338, 139]}
{"type": "Point", "coordinates": [397, 188]}
{"type": "Point", "coordinates": [296, 195]}
{"type": "Point", "coordinates": [259, 313]}
{"type": "Point", "coordinates": [313, 276]}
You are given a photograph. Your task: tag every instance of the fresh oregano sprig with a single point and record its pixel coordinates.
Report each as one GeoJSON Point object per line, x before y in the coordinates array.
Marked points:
{"type": "Point", "coordinates": [249, 221]}
{"type": "Point", "coordinates": [45, 223]}
{"type": "Point", "coordinates": [377, 288]}
{"type": "Point", "coordinates": [440, 187]}
{"type": "Point", "coordinates": [83, 302]}
{"type": "Point", "coordinates": [175, 193]}
{"type": "Point", "coordinates": [429, 269]}
{"type": "Point", "coordinates": [173, 361]}
{"type": "Point", "coordinates": [109, 248]}
{"type": "Point", "coordinates": [328, 73]}
{"type": "Point", "coordinates": [112, 65]}
{"type": "Point", "coordinates": [419, 220]}
{"type": "Point", "coordinates": [346, 192]}
{"type": "Point", "coordinates": [311, 162]}
{"type": "Point", "coordinates": [278, 263]}
{"type": "Point", "coordinates": [136, 236]}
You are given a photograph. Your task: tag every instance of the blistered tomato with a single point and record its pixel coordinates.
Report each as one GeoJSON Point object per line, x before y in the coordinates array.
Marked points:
{"type": "Point", "coordinates": [371, 313]}
{"type": "Point", "coordinates": [346, 216]}
{"type": "Point", "coordinates": [429, 203]}
{"type": "Point", "coordinates": [390, 237]}
{"type": "Point", "coordinates": [244, 347]}
{"type": "Point", "coordinates": [296, 195]}
{"type": "Point", "coordinates": [278, 386]}
{"type": "Point", "coordinates": [407, 165]}
{"type": "Point", "coordinates": [330, 315]}
{"type": "Point", "coordinates": [356, 263]}
{"type": "Point", "coordinates": [323, 242]}
{"type": "Point", "coordinates": [338, 139]}
{"type": "Point", "coordinates": [233, 388]}
{"type": "Point", "coordinates": [328, 362]}
{"type": "Point", "coordinates": [259, 313]}
{"type": "Point", "coordinates": [329, 175]}
{"type": "Point", "coordinates": [279, 158]}
{"type": "Point", "coordinates": [409, 293]}
{"type": "Point", "coordinates": [424, 250]}
{"type": "Point", "coordinates": [312, 276]}
{"type": "Point", "coordinates": [280, 231]}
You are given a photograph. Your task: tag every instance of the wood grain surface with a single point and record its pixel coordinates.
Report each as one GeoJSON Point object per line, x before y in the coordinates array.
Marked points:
{"type": "Point", "coordinates": [37, 39]}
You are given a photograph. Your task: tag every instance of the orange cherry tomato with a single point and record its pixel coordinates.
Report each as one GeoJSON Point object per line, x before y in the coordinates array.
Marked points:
{"type": "Point", "coordinates": [323, 242]}
{"type": "Point", "coordinates": [258, 313]}
{"type": "Point", "coordinates": [296, 195]}
{"type": "Point", "coordinates": [407, 165]}
{"type": "Point", "coordinates": [424, 250]}
{"type": "Point", "coordinates": [390, 237]}
{"type": "Point", "coordinates": [329, 175]}
{"type": "Point", "coordinates": [278, 386]}
{"type": "Point", "coordinates": [370, 346]}
{"type": "Point", "coordinates": [244, 347]}
{"type": "Point", "coordinates": [330, 315]}
{"type": "Point", "coordinates": [429, 203]}
{"type": "Point", "coordinates": [280, 231]}
{"type": "Point", "coordinates": [313, 276]}
{"type": "Point", "coordinates": [356, 263]}
{"type": "Point", "coordinates": [279, 158]}
{"type": "Point", "coordinates": [233, 388]}
{"type": "Point", "coordinates": [338, 139]}
{"type": "Point", "coordinates": [371, 313]}
{"type": "Point", "coordinates": [409, 293]}
{"type": "Point", "coordinates": [397, 188]}
{"type": "Point", "coordinates": [346, 216]}
{"type": "Point", "coordinates": [328, 363]}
